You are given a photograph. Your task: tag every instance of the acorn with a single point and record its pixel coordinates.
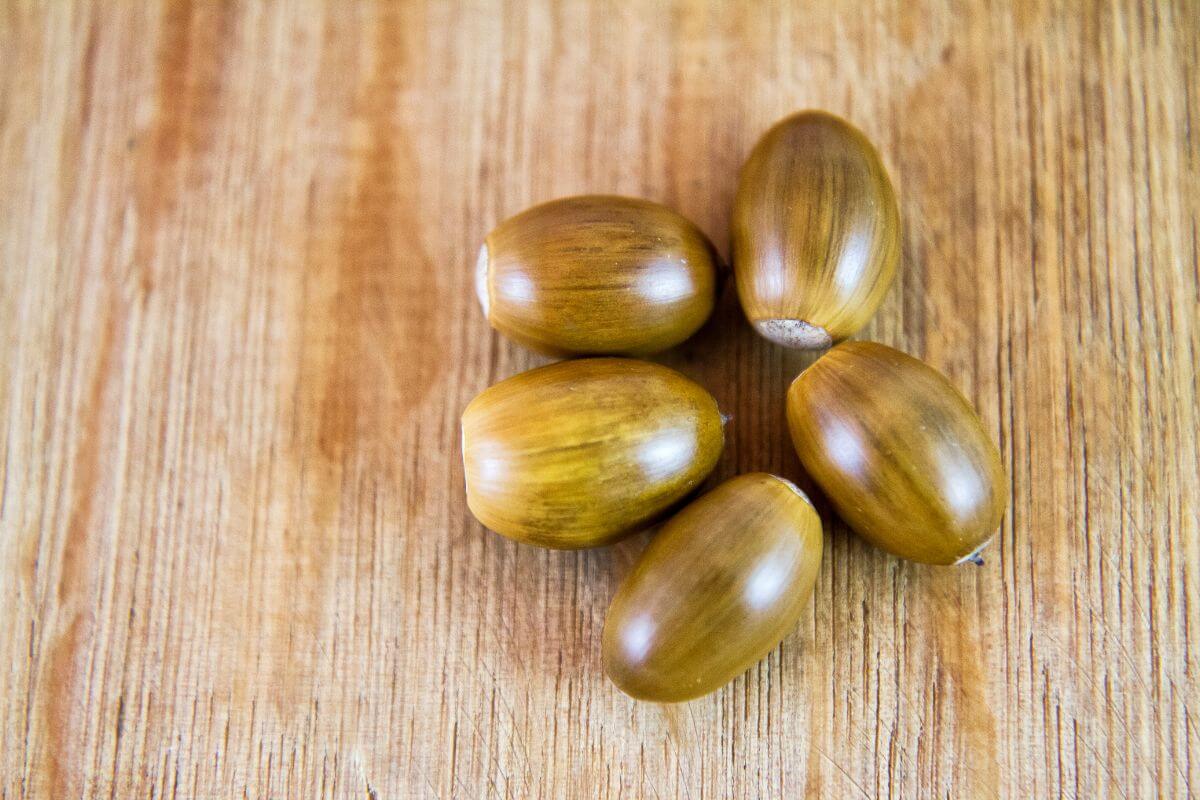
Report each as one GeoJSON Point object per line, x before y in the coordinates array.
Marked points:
{"type": "Point", "coordinates": [581, 453]}
{"type": "Point", "coordinates": [597, 275]}
{"type": "Point", "coordinates": [717, 589]}
{"type": "Point", "coordinates": [815, 232]}
{"type": "Point", "coordinates": [899, 452]}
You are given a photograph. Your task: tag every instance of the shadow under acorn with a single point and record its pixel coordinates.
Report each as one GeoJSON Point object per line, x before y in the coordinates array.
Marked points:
{"type": "Point", "coordinates": [561, 628]}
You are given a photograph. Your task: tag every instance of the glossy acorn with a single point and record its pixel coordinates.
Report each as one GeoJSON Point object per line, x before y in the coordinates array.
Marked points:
{"type": "Point", "coordinates": [581, 453]}
{"type": "Point", "coordinates": [720, 585]}
{"type": "Point", "coordinates": [899, 452]}
{"type": "Point", "coordinates": [815, 232]}
{"type": "Point", "coordinates": [597, 275]}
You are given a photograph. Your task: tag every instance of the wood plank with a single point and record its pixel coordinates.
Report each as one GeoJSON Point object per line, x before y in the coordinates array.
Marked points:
{"type": "Point", "coordinates": [238, 329]}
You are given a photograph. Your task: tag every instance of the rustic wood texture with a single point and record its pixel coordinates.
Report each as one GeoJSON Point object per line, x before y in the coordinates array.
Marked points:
{"type": "Point", "coordinates": [238, 327]}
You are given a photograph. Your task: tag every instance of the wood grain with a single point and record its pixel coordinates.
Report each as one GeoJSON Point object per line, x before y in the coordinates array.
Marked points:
{"type": "Point", "coordinates": [238, 329]}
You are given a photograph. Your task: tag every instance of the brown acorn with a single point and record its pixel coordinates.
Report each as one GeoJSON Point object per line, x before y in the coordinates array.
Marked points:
{"type": "Point", "coordinates": [582, 453]}
{"type": "Point", "coordinates": [717, 589]}
{"type": "Point", "coordinates": [899, 452]}
{"type": "Point", "coordinates": [597, 275]}
{"type": "Point", "coordinates": [815, 231]}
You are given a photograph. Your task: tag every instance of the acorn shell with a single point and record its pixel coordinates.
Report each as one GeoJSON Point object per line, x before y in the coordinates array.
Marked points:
{"type": "Point", "coordinates": [815, 231]}
{"type": "Point", "coordinates": [716, 590]}
{"type": "Point", "coordinates": [582, 453]}
{"type": "Point", "coordinates": [899, 452]}
{"type": "Point", "coordinates": [597, 275]}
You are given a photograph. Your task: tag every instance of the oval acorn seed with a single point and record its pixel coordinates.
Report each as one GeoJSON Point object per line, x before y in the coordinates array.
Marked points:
{"type": "Point", "coordinates": [815, 232]}
{"type": "Point", "coordinates": [597, 275]}
{"type": "Point", "coordinates": [719, 586]}
{"type": "Point", "coordinates": [899, 452]}
{"type": "Point", "coordinates": [582, 453]}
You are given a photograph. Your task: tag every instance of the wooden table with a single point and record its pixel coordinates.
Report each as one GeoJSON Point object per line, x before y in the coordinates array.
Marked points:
{"type": "Point", "coordinates": [238, 330]}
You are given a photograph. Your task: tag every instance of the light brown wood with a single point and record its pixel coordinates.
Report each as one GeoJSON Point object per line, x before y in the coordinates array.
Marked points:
{"type": "Point", "coordinates": [239, 328]}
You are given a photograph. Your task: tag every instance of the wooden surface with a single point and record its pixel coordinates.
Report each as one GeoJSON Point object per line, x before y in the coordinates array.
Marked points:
{"type": "Point", "coordinates": [238, 328]}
